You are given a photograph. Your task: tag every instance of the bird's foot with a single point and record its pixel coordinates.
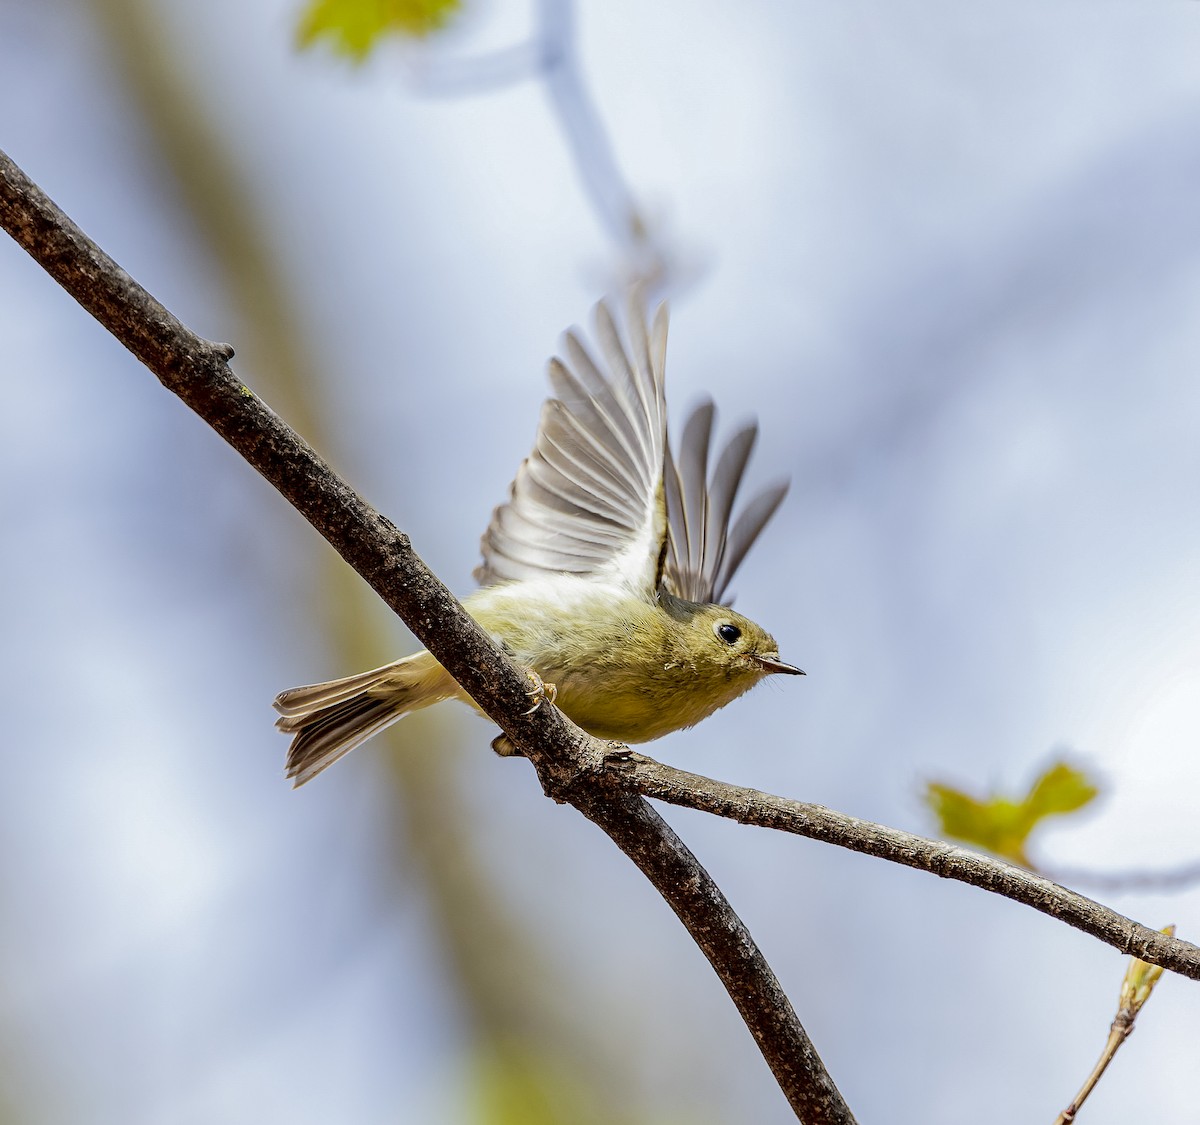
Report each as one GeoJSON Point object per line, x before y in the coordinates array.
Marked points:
{"type": "Point", "coordinates": [542, 692]}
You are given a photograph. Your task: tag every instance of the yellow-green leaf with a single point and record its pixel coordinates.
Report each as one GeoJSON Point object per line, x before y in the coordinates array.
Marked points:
{"type": "Point", "coordinates": [995, 824]}
{"type": "Point", "coordinates": [354, 27]}
{"type": "Point", "coordinates": [1002, 824]}
{"type": "Point", "coordinates": [1062, 788]}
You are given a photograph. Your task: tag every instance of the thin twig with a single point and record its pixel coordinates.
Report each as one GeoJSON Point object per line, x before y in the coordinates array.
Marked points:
{"type": "Point", "coordinates": [1117, 1034]}
{"type": "Point", "coordinates": [1147, 880]}
{"type": "Point", "coordinates": [751, 806]}
{"type": "Point", "coordinates": [1136, 988]}
{"type": "Point", "coordinates": [550, 55]}
{"type": "Point", "coordinates": [568, 761]}
{"type": "Point", "coordinates": [586, 138]}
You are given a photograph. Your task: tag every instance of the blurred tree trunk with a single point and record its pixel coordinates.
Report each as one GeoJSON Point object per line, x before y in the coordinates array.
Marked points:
{"type": "Point", "coordinates": [531, 1065]}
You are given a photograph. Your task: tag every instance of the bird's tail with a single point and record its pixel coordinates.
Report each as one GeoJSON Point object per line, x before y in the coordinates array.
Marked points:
{"type": "Point", "coordinates": [329, 720]}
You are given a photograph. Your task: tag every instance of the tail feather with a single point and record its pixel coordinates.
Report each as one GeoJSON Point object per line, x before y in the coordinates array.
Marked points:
{"type": "Point", "coordinates": [329, 720]}
{"type": "Point", "coordinates": [305, 700]}
{"type": "Point", "coordinates": [333, 732]}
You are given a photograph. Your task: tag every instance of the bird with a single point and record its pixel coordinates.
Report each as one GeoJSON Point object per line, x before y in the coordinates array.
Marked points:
{"type": "Point", "coordinates": [605, 574]}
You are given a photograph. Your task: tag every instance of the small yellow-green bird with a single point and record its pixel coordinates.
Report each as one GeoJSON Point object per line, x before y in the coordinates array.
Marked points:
{"type": "Point", "coordinates": [604, 574]}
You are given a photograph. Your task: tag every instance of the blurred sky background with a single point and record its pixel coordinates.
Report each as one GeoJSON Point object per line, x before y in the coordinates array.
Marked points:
{"type": "Point", "coordinates": [949, 254]}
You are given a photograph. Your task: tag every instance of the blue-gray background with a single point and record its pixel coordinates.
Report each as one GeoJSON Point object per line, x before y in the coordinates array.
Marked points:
{"type": "Point", "coordinates": [950, 255]}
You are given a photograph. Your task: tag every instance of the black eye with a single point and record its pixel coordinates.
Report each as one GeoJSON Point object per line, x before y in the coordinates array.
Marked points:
{"type": "Point", "coordinates": [728, 633]}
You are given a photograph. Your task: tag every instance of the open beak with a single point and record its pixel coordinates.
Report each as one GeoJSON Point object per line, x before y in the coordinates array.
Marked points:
{"type": "Point", "coordinates": [774, 664]}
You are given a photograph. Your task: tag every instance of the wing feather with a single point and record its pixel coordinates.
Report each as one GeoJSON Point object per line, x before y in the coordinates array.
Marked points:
{"type": "Point", "coordinates": [703, 551]}
{"type": "Point", "coordinates": [745, 531]}
{"type": "Point", "coordinates": [593, 402]}
{"type": "Point", "coordinates": [723, 490]}
{"type": "Point", "coordinates": [676, 565]}
{"type": "Point", "coordinates": [575, 437]}
{"type": "Point", "coordinates": [693, 472]}
{"type": "Point", "coordinates": [627, 379]}
{"type": "Point", "coordinates": [589, 499]}
{"type": "Point", "coordinates": [603, 492]}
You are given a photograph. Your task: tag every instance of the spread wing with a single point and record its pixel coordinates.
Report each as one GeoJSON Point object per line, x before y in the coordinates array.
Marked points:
{"type": "Point", "coordinates": [703, 551]}
{"type": "Point", "coordinates": [601, 493]}
{"type": "Point", "coordinates": [589, 499]}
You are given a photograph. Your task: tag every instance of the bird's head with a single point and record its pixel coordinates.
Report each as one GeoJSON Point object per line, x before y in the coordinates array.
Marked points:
{"type": "Point", "coordinates": [715, 637]}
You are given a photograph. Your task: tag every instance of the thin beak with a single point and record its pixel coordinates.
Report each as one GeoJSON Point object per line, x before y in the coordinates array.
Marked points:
{"type": "Point", "coordinates": [774, 664]}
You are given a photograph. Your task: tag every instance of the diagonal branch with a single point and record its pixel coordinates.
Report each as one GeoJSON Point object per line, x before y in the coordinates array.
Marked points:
{"type": "Point", "coordinates": [568, 761]}
{"type": "Point", "coordinates": [751, 806]}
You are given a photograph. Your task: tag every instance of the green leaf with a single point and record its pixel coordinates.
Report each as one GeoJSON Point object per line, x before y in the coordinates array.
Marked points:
{"type": "Point", "coordinates": [354, 27]}
{"type": "Point", "coordinates": [1061, 789]}
{"type": "Point", "coordinates": [1002, 824]}
{"type": "Point", "coordinates": [995, 824]}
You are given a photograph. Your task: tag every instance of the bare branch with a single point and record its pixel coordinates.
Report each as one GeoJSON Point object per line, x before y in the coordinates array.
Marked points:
{"type": "Point", "coordinates": [568, 761]}
{"type": "Point", "coordinates": [750, 806]}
